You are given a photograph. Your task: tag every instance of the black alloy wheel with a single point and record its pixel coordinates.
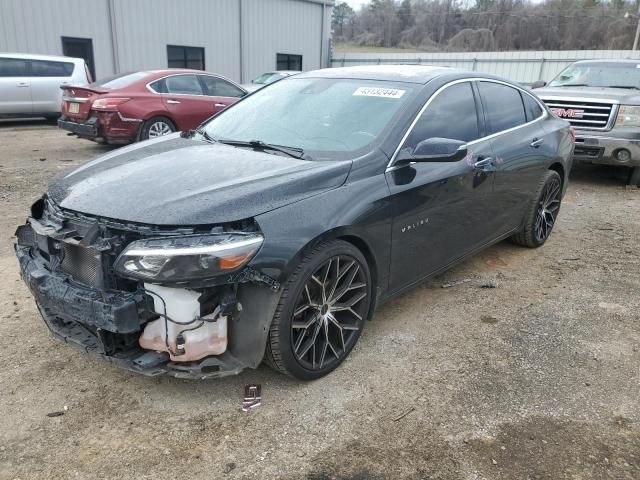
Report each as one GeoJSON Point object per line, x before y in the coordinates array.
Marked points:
{"type": "Point", "coordinates": [548, 208]}
{"type": "Point", "coordinates": [542, 212]}
{"type": "Point", "coordinates": [321, 313]}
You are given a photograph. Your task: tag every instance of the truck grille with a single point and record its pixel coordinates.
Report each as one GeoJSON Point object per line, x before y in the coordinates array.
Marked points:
{"type": "Point", "coordinates": [584, 114]}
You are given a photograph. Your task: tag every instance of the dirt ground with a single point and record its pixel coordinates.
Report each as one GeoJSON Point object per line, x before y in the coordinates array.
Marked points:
{"type": "Point", "coordinates": [538, 378]}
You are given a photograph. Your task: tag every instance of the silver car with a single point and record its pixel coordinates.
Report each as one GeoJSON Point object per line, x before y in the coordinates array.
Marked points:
{"type": "Point", "coordinates": [267, 78]}
{"type": "Point", "coordinates": [30, 84]}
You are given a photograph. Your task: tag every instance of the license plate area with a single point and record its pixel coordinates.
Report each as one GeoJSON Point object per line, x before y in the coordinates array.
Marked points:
{"type": "Point", "coordinates": [74, 107]}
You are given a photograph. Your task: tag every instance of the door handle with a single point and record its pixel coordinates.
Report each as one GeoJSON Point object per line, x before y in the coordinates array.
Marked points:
{"type": "Point", "coordinates": [173, 102]}
{"type": "Point", "coordinates": [486, 164]}
{"type": "Point", "coordinates": [219, 105]}
{"type": "Point", "coordinates": [22, 84]}
{"type": "Point", "coordinates": [537, 142]}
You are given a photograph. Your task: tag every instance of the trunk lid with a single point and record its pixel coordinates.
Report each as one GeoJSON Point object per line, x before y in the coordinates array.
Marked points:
{"type": "Point", "coordinates": [77, 101]}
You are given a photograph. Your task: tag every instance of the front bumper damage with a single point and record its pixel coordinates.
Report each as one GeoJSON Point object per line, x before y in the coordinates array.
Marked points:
{"type": "Point", "coordinates": [108, 317]}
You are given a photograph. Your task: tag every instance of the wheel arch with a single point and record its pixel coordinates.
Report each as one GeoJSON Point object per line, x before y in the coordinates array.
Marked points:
{"type": "Point", "coordinates": [355, 239]}
{"type": "Point", "coordinates": [559, 168]}
{"type": "Point", "coordinates": [155, 114]}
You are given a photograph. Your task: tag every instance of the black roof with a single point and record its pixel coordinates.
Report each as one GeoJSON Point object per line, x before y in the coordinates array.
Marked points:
{"type": "Point", "coordinates": [391, 73]}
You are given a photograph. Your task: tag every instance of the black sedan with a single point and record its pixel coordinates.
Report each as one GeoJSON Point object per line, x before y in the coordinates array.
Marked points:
{"type": "Point", "coordinates": [273, 231]}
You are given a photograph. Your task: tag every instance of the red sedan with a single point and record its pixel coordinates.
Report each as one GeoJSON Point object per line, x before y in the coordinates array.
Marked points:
{"type": "Point", "coordinates": [142, 105]}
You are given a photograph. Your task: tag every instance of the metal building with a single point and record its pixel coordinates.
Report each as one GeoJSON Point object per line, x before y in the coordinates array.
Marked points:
{"type": "Point", "coordinates": [236, 38]}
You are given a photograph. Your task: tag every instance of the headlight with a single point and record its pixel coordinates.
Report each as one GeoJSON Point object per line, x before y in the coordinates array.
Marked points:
{"type": "Point", "coordinates": [189, 257]}
{"type": "Point", "coordinates": [628, 116]}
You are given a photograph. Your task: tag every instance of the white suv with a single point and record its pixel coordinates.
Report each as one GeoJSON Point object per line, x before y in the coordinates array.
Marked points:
{"type": "Point", "coordinates": [30, 84]}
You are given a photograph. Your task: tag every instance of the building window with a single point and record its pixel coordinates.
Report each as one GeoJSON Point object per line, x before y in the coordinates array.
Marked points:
{"type": "Point", "coordinates": [185, 57]}
{"type": "Point", "coordinates": [285, 61]}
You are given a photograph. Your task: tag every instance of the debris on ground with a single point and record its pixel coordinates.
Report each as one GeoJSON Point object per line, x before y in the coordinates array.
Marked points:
{"type": "Point", "coordinates": [58, 413]}
{"type": "Point", "coordinates": [252, 397]}
{"type": "Point", "coordinates": [404, 414]}
{"type": "Point", "coordinates": [455, 283]}
{"type": "Point", "coordinates": [488, 319]}
{"type": "Point", "coordinates": [489, 284]}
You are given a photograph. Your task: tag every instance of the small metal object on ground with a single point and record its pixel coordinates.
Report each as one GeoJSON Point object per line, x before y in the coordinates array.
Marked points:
{"type": "Point", "coordinates": [454, 283]}
{"type": "Point", "coordinates": [252, 397]}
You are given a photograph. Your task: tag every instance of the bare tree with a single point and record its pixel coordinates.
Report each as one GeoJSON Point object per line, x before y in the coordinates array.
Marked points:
{"type": "Point", "coordinates": [456, 25]}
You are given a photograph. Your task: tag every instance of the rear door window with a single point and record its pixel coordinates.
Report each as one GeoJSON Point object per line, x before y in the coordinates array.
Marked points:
{"type": "Point", "coordinates": [14, 67]}
{"type": "Point", "coordinates": [452, 114]}
{"type": "Point", "coordinates": [45, 68]}
{"type": "Point", "coordinates": [503, 106]}
{"type": "Point", "coordinates": [183, 84]}
{"type": "Point", "coordinates": [532, 107]}
{"type": "Point", "coordinates": [217, 87]}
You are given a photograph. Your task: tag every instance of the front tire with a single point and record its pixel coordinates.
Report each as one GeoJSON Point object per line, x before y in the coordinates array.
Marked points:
{"type": "Point", "coordinates": [156, 127]}
{"type": "Point", "coordinates": [542, 212]}
{"type": "Point", "coordinates": [321, 312]}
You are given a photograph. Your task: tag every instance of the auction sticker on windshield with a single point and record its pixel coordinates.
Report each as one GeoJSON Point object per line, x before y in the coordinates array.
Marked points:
{"type": "Point", "coordinates": [379, 92]}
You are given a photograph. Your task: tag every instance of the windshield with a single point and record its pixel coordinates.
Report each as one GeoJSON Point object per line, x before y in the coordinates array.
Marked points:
{"type": "Point", "coordinates": [314, 114]}
{"type": "Point", "coordinates": [121, 80]}
{"type": "Point", "coordinates": [623, 75]}
{"type": "Point", "coordinates": [267, 78]}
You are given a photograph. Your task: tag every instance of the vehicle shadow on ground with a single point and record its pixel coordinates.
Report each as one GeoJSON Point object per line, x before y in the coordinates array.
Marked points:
{"type": "Point", "coordinates": [27, 123]}
{"type": "Point", "coordinates": [599, 175]}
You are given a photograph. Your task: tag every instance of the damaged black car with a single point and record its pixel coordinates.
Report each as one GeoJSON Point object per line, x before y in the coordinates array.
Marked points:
{"type": "Point", "coordinates": [273, 231]}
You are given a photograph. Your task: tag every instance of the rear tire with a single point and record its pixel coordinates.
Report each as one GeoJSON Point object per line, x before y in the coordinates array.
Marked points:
{"type": "Point", "coordinates": [321, 312]}
{"type": "Point", "coordinates": [634, 177]}
{"type": "Point", "coordinates": [542, 212]}
{"type": "Point", "coordinates": [156, 127]}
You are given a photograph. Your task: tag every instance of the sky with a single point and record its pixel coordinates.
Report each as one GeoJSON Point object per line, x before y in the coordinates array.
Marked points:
{"type": "Point", "coordinates": [356, 4]}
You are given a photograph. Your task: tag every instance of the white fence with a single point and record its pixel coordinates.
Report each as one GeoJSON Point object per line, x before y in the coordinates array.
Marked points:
{"type": "Point", "coordinates": [523, 67]}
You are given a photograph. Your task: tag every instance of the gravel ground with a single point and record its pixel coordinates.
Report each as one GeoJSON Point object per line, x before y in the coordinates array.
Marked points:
{"type": "Point", "coordinates": [536, 378]}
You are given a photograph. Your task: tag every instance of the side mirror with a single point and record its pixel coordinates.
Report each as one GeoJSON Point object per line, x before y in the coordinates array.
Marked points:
{"type": "Point", "coordinates": [538, 84]}
{"type": "Point", "coordinates": [438, 150]}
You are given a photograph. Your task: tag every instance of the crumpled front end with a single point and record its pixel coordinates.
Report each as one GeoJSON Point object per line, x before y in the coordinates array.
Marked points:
{"type": "Point", "coordinates": [152, 326]}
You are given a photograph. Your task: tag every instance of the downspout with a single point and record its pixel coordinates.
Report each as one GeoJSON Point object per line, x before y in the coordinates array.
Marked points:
{"type": "Point", "coordinates": [114, 37]}
{"type": "Point", "coordinates": [241, 30]}
{"type": "Point", "coordinates": [322, 36]}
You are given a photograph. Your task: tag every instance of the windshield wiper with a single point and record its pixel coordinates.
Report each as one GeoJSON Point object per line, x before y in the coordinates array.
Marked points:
{"type": "Point", "coordinates": [206, 136]}
{"type": "Point", "coordinates": [631, 87]}
{"type": "Point", "coordinates": [572, 85]}
{"type": "Point", "coordinates": [260, 145]}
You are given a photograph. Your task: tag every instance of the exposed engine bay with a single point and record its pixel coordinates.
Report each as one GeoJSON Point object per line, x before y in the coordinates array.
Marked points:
{"type": "Point", "coordinates": [151, 299]}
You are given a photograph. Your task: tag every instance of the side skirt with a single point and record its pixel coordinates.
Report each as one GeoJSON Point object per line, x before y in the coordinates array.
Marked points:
{"type": "Point", "coordinates": [384, 299]}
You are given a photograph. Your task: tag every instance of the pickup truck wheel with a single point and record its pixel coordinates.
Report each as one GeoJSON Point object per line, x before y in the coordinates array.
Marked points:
{"type": "Point", "coordinates": [156, 127]}
{"type": "Point", "coordinates": [542, 212]}
{"type": "Point", "coordinates": [634, 177]}
{"type": "Point", "coordinates": [321, 312]}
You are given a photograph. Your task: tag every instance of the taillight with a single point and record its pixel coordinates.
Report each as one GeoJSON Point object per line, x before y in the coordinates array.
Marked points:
{"type": "Point", "coordinates": [572, 131]}
{"type": "Point", "coordinates": [108, 104]}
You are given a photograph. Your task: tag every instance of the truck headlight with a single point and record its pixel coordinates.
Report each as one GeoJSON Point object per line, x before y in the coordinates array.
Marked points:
{"type": "Point", "coordinates": [188, 257]}
{"type": "Point", "coordinates": [628, 116]}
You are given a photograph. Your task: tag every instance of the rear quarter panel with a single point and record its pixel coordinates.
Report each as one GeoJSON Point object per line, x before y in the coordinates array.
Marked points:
{"type": "Point", "coordinates": [143, 106]}
{"type": "Point", "coordinates": [559, 136]}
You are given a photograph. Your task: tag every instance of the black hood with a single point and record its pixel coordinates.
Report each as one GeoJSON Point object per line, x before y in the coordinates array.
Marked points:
{"type": "Point", "coordinates": [179, 181]}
